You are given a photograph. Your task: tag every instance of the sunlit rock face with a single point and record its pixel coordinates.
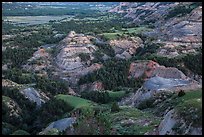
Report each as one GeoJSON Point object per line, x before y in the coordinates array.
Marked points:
{"type": "Point", "coordinates": [148, 69]}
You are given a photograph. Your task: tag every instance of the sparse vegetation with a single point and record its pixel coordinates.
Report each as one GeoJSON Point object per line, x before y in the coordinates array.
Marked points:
{"type": "Point", "coordinates": [26, 27]}
{"type": "Point", "coordinates": [182, 10]}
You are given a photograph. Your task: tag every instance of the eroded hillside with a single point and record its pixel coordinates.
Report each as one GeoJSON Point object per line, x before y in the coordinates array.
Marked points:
{"type": "Point", "coordinates": [131, 68]}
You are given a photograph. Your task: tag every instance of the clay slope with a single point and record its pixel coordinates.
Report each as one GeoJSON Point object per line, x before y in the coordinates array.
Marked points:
{"type": "Point", "coordinates": [158, 79]}
{"type": "Point", "coordinates": [184, 28]}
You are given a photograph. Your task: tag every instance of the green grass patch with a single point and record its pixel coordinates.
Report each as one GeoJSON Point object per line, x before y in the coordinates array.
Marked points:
{"type": "Point", "coordinates": [111, 36]}
{"type": "Point", "coordinates": [190, 107]}
{"type": "Point", "coordinates": [5, 99]}
{"type": "Point", "coordinates": [20, 132]}
{"type": "Point", "coordinates": [116, 95]}
{"type": "Point", "coordinates": [138, 30]}
{"type": "Point", "coordinates": [173, 101]}
{"type": "Point", "coordinates": [75, 102]}
{"type": "Point", "coordinates": [191, 111]}
{"type": "Point", "coordinates": [124, 31]}
{"type": "Point", "coordinates": [193, 94]}
{"type": "Point", "coordinates": [136, 128]}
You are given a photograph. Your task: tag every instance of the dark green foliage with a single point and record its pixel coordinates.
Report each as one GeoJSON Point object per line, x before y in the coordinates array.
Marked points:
{"type": "Point", "coordinates": [19, 98]}
{"type": "Point", "coordinates": [97, 57]}
{"type": "Point", "coordinates": [115, 107]}
{"type": "Point", "coordinates": [105, 48]}
{"type": "Point", "coordinates": [28, 109]}
{"type": "Point", "coordinates": [96, 96]}
{"type": "Point", "coordinates": [84, 56]}
{"type": "Point", "coordinates": [113, 74]}
{"type": "Point", "coordinates": [97, 123]}
{"type": "Point", "coordinates": [19, 76]}
{"type": "Point", "coordinates": [18, 57]}
{"type": "Point", "coordinates": [7, 28]}
{"type": "Point", "coordinates": [149, 48]}
{"type": "Point", "coordinates": [192, 62]}
{"type": "Point", "coordinates": [96, 27]}
{"type": "Point", "coordinates": [26, 46]}
{"type": "Point", "coordinates": [7, 128]}
{"type": "Point", "coordinates": [178, 128]}
{"type": "Point", "coordinates": [49, 86]}
{"type": "Point", "coordinates": [181, 93]}
{"type": "Point", "coordinates": [148, 103]}
{"type": "Point", "coordinates": [6, 117]}
{"type": "Point", "coordinates": [53, 87]}
{"type": "Point", "coordinates": [52, 110]}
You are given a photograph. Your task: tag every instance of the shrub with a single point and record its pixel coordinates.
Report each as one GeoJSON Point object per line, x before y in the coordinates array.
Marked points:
{"type": "Point", "coordinates": [148, 103]}
{"type": "Point", "coordinates": [181, 93]}
{"type": "Point", "coordinates": [84, 57]}
{"type": "Point", "coordinates": [96, 96]}
{"type": "Point", "coordinates": [53, 110]}
{"type": "Point", "coordinates": [96, 123]}
{"type": "Point", "coordinates": [115, 107]}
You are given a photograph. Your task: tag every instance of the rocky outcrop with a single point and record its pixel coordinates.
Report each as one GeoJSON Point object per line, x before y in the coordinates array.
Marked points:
{"type": "Point", "coordinates": [73, 76]}
{"type": "Point", "coordinates": [185, 28]}
{"type": "Point", "coordinates": [125, 48]}
{"type": "Point", "coordinates": [157, 85]}
{"type": "Point", "coordinates": [72, 49]}
{"type": "Point", "coordinates": [69, 59]}
{"type": "Point", "coordinates": [149, 68]}
{"type": "Point", "coordinates": [144, 11]}
{"type": "Point", "coordinates": [40, 62]}
{"type": "Point", "coordinates": [29, 92]}
{"type": "Point", "coordinates": [60, 125]}
{"type": "Point", "coordinates": [10, 84]}
{"type": "Point", "coordinates": [172, 119]}
{"type": "Point", "coordinates": [167, 123]}
{"type": "Point", "coordinates": [92, 86]}
{"type": "Point", "coordinates": [173, 49]}
{"type": "Point", "coordinates": [33, 95]}
{"type": "Point", "coordinates": [71, 92]}
{"type": "Point", "coordinates": [14, 109]}
{"type": "Point", "coordinates": [158, 79]}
